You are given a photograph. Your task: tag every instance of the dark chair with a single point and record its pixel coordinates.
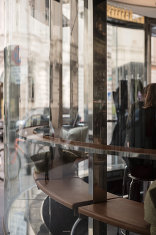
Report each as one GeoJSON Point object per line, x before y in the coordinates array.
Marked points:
{"type": "Point", "coordinates": [139, 171]}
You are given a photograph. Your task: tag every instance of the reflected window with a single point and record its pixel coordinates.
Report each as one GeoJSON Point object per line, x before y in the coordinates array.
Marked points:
{"type": "Point", "coordinates": [31, 80]}
{"type": "Point", "coordinates": [125, 68]}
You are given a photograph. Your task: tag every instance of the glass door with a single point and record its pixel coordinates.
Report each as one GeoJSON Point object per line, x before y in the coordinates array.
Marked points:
{"type": "Point", "coordinates": [125, 70]}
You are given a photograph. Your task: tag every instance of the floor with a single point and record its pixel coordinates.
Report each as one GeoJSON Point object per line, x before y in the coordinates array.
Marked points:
{"type": "Point", "coordinates": [1, 189]}
{"type": "Point", "coordinates": [1, 206]}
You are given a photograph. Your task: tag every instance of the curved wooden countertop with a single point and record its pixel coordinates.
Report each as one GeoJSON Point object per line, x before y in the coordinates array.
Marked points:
{"type": "Point", "coordinates": [72, 192]}
{"type": "Point", "coordinates": [119, 212]}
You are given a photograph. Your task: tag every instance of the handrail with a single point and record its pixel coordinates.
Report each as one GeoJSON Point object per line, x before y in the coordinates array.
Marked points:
{"type": "Point", "coordinates": [101, 147]}
{"type": "Point", "coordinates": [95, 148]}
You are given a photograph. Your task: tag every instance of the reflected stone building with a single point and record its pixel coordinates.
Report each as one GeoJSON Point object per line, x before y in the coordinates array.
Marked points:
{"type": "Point", "coordinates": [1, 56]}
{"type": "Point", "coordinates": [31, 35]}
{"type": "Point", "coordinates": [81, 61]}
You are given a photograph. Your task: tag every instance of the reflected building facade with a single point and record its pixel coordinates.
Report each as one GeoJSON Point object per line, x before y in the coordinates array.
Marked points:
{"type": "Point", "coordinates": [1, 57]}
{"type": "Point", "coordinates": [73, 70]}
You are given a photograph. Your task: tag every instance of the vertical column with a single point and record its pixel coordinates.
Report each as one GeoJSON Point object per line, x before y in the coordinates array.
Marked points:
{"type": "Point", "coordinates": [73, 59]}
{"type": "Point", "coordinates": [88, 66]}
{"type": "Point", "coordinates": [147, 75]}
{"type": "Point", "coordinates": [99, 72]}
{"type": "Point", "coordinates": [98, 163]}
{"type": "Point", "coordinates": [95, 69]}
{"type": "Point", "coordinates": [99, 112]}
{"type": "Point", "coordinates": [99, 96]}
{"type": "Point", "coordinates": [56, 64]}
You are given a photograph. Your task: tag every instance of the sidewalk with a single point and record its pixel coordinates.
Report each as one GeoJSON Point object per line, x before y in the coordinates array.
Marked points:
{"type": "Point", "coordinates": [1, 188]}
{"type": "Point", "coordinates": [1, 206]}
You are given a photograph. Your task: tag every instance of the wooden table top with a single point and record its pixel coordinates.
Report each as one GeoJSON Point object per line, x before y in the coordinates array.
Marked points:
{"type": "Point", "coordinates": [119, 212]}
{"type": "Point", "coordinates": [71, 191]}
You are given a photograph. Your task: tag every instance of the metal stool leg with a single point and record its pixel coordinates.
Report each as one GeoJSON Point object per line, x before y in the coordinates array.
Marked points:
{"type": "Point", "coordinates": [123, 192]}
{"type": "Point", "coordinates": [119, 230]}
{"type": "Point", "coordinates": [124, 180]}
{"type": "Point", "coordinates": [124, 232]}
{"type": "Point", "coordinates": [134, 190]}
{"type": "Point", "coordinates": [75, 225]}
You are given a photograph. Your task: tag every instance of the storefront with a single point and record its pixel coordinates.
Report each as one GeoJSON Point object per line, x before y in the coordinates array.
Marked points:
{"type": "Point", "coordinates": [74, 73]}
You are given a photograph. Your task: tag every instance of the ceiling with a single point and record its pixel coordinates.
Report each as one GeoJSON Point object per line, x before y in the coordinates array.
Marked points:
{"type": "Point", "coordinates": [141, 7]}
{"type": "Point", "coordinates": [143, 3]}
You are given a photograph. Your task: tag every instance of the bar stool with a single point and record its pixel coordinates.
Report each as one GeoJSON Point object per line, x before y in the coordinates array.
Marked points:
{"type": "Point", "coordinates": [140, 172]}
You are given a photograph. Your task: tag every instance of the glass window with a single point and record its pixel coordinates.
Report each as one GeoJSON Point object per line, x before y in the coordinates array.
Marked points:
{"type": "Point", "coordinates": [27, 52]}
{"type": "Point", "coordinates": [125, 71]}
{"type": "Point", "coordinates": [79, 106]}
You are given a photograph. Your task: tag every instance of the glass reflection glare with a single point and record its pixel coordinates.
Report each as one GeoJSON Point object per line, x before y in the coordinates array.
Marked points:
{"type": "Point", "coordinates": [65, 116]}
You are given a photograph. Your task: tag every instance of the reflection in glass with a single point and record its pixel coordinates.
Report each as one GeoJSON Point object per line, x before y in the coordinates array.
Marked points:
{"type": "Point", "coordinates": [61, 109]}
{"type": "Point", "coordinates": [125, 69]}
{"type": "Point", "coordinates": [26, 96]}
{"type": "Point", "coordinates": [153, 57]}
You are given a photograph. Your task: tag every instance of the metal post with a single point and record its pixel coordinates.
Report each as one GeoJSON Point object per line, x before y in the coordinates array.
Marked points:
{"type": "Point", "coordinates": [98, 163]}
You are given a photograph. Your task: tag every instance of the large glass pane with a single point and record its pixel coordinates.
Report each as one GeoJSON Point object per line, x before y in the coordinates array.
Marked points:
{"type": "Point", "coordinates": [48, 75]}
{"type": "Point", "coordinates": [130, 69]}
{"type": "Point", "coordinates": [78, 109]}
{"type": "Point", "coordinates": [1, 65]}
{"type": "Point", "coordinates": [131, 93]}
{"type": "Point", "coordinates": [27, 49]}
{"type": "Point", "coordinates": [125, 71]}
{"type": "Point", "coordinates": [153, 56]}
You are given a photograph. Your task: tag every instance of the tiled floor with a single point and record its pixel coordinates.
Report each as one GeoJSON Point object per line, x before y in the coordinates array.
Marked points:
{"type": "Point", "coordinates": [1, 189]}
{"type": "Point", "coordinates": [1, 206]}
